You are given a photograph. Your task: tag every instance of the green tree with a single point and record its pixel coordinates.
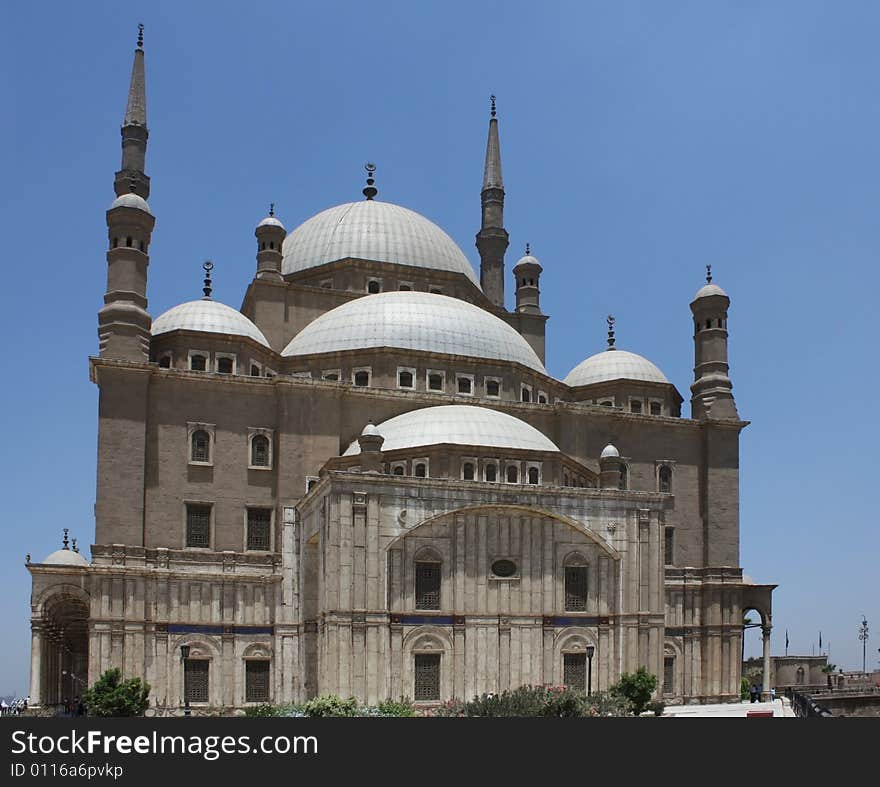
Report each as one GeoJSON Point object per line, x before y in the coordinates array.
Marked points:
{"type": "Point", "coordinates": [112, 696]}
{"type": "Point", "coordinates": [636, 688]}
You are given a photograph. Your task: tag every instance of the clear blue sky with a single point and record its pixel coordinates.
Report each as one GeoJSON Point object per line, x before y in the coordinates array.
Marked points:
{"type": "Point", "coordinates": [640, 141]}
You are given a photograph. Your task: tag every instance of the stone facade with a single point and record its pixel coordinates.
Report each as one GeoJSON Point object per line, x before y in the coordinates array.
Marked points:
{"type": "Point", "coordinates": [295, 572]}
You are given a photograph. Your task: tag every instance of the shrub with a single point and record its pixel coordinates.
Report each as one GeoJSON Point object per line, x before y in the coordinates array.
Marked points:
{"type": "Point", "coordinates": [658, 706]}
{"type": "Point", "coordinates": [112, 696]}
{"type": "Point", "coordinates": [744, 688]}
{"type": "Point", "coordinates": [607, 703]}
{"type": "Point", "coordinates": [400, 707]}
{"type": "Point", "coordinates": [637, 688]}
{"type": "Point", "coordinates": [260, 711]}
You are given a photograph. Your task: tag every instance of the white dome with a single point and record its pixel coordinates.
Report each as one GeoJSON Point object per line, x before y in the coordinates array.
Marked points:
{"type": "Point", "coordinates": [609, 451]}
{"type": "Point", "coordinates": [709, 289]}
{"type": "Point", "coordinates": [65, 557]}
{"type": "Point", "coordinates": [458, 425]}
{"type": "Point", "coordinates": [131, 200]}
{"type": "Point", "coordinates": [528, 259]}
{"type": "Point", "coordinates": [414, 321]}
{"type": "Point", "coordinates": [614, 365]}
{"type": "Point", "coordinates": [209, 316]}
{"type": "Point", "coordinates": [370, 429]}
{"type": "Point", "coordinates": [377, 231]}
{"type": "Point", "coordinates": [270, 221]}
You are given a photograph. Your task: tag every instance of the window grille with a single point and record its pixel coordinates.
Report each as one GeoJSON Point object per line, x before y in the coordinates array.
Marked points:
{"type": "Point", "coordinates": [574, 670]}
{"type": "Point", "coordinates": [635, 407]}
{"type": "Point", "coordinates": [198, 526]}
{"type": "Point", "coordinates": [256, 681]}
{"type": "Point", "coordinates": [260, 451]}
{"type": "Point", "coordinates": [669, 675]}
{"type": "Point", "coordinates": [258, 526]}
{"type": "Point", "coordinates": [201, 446]}
{"type": "Point", "coordinates": [655, 408]}
{"type": "Point", "coordinates": [427, 674]}
{"type": "Point", "coordinates": [576, 588]}
{"type": "Point", "coordinates": [665, 479]}
{"type": "Point", "coordinates": [427, 586]}
{"type": "Point", "coordinates": [197, 680]}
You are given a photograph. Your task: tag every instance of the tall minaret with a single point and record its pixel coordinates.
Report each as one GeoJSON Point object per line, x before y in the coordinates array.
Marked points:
{"type": "Point", "coordinates": [711, 391]}
{"type": "Point", "coordinates": [492, 239]}
{"type": "Point", "coordinates": [123, 322]}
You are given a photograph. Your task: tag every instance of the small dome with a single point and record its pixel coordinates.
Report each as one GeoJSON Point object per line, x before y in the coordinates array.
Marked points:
{"type": "Point", "coordinates": [609, 451]}
{"type": "Point", "coordinates": [709, 289]}
{"type": "Point", "coordinates": [65, 557]}
{"type": "Point", "coordinates": [614, 365]}
{"type": "Point", "coordinates": [370, 429]}
{"type": "Point", "coordinates": [528, 259]}
{"type": "Point", "coordinates": [209, 316]}
{"type": "Point", "coordinates": [375, 231]}
{"type": "Point", "coordinates": [413, 320]}
{"type": "Point", "coordinates": [131, 200]}
{"type": "Point", "coordinates": [458, 425]}
{"type": "Point", "coordinates": [270, 221]}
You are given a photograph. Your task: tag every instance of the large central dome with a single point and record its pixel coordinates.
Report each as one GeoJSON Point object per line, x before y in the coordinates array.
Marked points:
{"type": "Point", "coordinates": [414, 321]}
{"type": "Point", "coordinates": [376, 231]}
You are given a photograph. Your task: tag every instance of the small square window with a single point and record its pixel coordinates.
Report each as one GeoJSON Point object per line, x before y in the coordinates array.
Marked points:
{"type": "Point", "coordinates": [656, 408]}
{"type": "Point", "coordinates": [465, 384]}
{"type": "Point", "coordinates": [374, 286]}
{"type": "Point", "coordinates": [198, 362]}
{"type": "Point", "coordinates": [165, 361]}
{"type": "Point", "coordinates": [361, 378]}
{"type": "Point", "coordinates": [436, 380]}
{"type": "Point", "coordinates": [406, 378]}
{"type": "Point", "coordinates": [493, 387]}
{"type": "Point", "coordinates": [635, 406]}
{"type": "Point", "coordinates": [225, 363]}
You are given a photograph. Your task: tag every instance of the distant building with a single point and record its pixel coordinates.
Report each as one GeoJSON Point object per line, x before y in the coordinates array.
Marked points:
{"type": "Point", "coordinates": [365, 481]}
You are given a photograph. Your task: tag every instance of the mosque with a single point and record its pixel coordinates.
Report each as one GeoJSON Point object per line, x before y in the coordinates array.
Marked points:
{"type": "Point", "coordinates": [365, 482]}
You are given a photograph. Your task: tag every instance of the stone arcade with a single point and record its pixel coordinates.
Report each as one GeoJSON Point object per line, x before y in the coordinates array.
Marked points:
{"type": "Point", "coordinates": [365, 482]}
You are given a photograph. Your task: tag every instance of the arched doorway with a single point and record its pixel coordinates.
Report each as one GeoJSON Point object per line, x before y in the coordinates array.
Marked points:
{"type": "Point", "coordinates": [61, 637]}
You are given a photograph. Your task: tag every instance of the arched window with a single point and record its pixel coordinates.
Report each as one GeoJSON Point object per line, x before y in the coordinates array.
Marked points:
{"type": "Point", "coordinates": [362, 379]}
{"type": "Point", "coordinates": [427, 584]}
{"type": "Point", "coordinates": [575, 584]}
{"type": "Point", "coordinates": [533, 475]}
{"type": "Point", "coordinates": [373, 287]}
{"type": "Point", "coordinates": [115, 242]}
{"type": "Point", "coordinates": [493, 388]}
{"type": "Point", "coordinates": [656, 408]}
{"type": "Point", "coordinates": [405, 288]}
{"type": "Point", "coordinates": [464, 385]}
{"type": "Point", "coordinates": [664, 478]}
{"type": "Point", "coordinates": [200, 446]}
{"type": "Point", "coordinates": [420, 470]}
{"type": "Point", "coordinates": [491, 472]}
{"type": "Point", "coordinates": [668, 675]}
{"type": "Point", "coordinates": [198, 363]}
{"type": "Point", "coordinates": [255, 370]}
{"type": "Point", "coordinates": [512, 474]}
{"type": "Point", "coordinates": [225, 365]}
{"type": "Point", "coordinates": [623, 477]}
{"type": "Point", "coordinates": [526, 395]}
{"type": "Point", "coordinates": [799, 676]}
{"type": "Point", "coordinates": [435, 382]}
{"type": "Point", "coordinates": [260, 451]}
{"type": "Point", "coordinates": [128, 241]}
{"type": "Point", "coordinates": [398, 470]}
{"type": "Point", "coordinates": [405, 379]}
{"type": "Point", "coordinates": [144, 248]}
{"type": "Point", "coordinates": [467, 471]}
{"type": "Point", "coordinates": [256, 680]}
{"type": "Point", "coordinates": [272, 244]}
{"type": "Point", "coordinates": [542, 398]}
{"type": "Point", "coordinates": [165, 362]}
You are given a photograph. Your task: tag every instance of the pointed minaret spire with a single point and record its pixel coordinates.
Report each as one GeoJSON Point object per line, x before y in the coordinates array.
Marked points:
{"type": "Point", "coordinates": [492, 239]}
{"type": "Point", "coordinates": [134, 128]}
{"type": "Point", "coordinates": [610, 320]}
{"type": "Point", "coordinates": [208, 267]}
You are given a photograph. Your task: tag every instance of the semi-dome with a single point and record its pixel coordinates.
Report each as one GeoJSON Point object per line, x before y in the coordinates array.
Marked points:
{"type": "Point", "coordinates": [614, 365]}
{"type": "Point", "coordinates": [65, 557]}
{"type": "Point", "coordinates": [376, 231]}
{"type": "Point", "coordinates": [709, 289]}
{"type": "Point", "coordinates": [458, 425]}
{"type": "Point", "coordinates": [414, 321]}
{"type": "Point", "coordinates": [209, 316]}
{"type": "Point", "coordinates": [131, 200]}
{"type": "Point", "coordinates": [270, 221]}
{"type": "Point", "coordinates": [609, 452]}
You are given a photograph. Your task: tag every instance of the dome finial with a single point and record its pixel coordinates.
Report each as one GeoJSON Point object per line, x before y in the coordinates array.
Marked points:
{"type": "Point", "coordinates": [140, 36]}
{"type": "Point", "coordinates": [708, 274]}
{"type": "Point", "coordinates": [492, 110]}
{"type": "Point", "coordinates": [272, 209]}
{"type": "Point", "coordinates": [370, 190]}
{"type": "Point", "coordinates": [528, 249]}
{"type": "Point", "coordinates": [610, 320]}
{"type": "Point", "coordinates": [208, 267]}
{"type": "Point", "coordinates": [65, 542]}
{"type": "Point", "coordinates": [75, 547]}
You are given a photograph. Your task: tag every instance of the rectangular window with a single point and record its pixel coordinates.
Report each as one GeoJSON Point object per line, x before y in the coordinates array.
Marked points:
{"type": "Point", "coordinates": [575, 588]}
{"type": "Point", "coordinates": [635, 406]}
{"type": "Point", "coordinates": [427, 676]}
{"type": "Point", "coordinates": [196, 673]}
{"type": "Point", "coordinates": [259, 522]}
{"type": "Point", "coordinates": [198, 525]}
{"type": "Point", "coordinates": [574, 670]}
{"type": "Point", "coordinates": [435, 381]}
{"type": "Point", "coordinates": [427, 586]}
{"type": "Point", "coordinates": [669, 545]}
{"type": "Point", "coordinates": [256, 681]}
{"type": "Point", "coordinates": [668, 675]}
{"type": "Point", "coordinates": [656, 408]}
